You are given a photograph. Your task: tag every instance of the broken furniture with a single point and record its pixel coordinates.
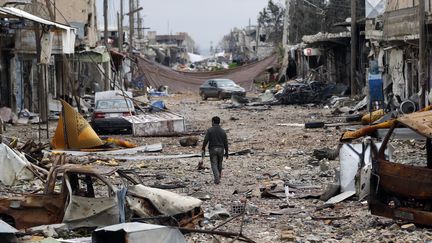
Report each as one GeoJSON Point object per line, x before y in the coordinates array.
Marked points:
{"type": "Point", "coordinates": [157, 124]}
{"type": "Point", "coordinates": [402, 191]}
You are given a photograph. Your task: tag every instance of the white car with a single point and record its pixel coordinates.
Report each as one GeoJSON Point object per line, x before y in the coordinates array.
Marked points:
{"type": "Point", "coordinates": [110, 108]}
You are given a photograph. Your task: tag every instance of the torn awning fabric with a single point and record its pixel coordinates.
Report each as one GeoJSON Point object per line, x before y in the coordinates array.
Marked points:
{"type": "Point", "coordinates": [157, 75]}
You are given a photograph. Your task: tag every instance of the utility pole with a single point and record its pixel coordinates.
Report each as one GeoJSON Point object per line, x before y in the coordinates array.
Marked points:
{"type": "Point", "coordinates": [120, 42]}
{"type": "Point", "coordinates": [353, 47]}
{"type": "Point", "coordinates": [140, 27]}
{"type": "Point", "coordinates": [131, 36]}
{"type": "Point", "coordinates": [106, 64]}
{"type": "Point", "coordinates": [285, 38]}
{"type": "Point", "coordinates": [131, 25]}
{"type": "Point", "coordinates": [120, 27]}
{"type": "Point", "coordinates": [422, 53]}
{"type": "Point", "coordinates": [42, 88]}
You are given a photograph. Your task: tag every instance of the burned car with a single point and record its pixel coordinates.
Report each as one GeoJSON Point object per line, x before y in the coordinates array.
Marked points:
{"type": "Point", "coordinates": [82, 196]}
{"type": "Point", "coordinates": [403, 191]}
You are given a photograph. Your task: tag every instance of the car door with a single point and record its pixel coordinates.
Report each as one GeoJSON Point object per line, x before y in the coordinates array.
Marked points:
{"type": "Point", "coordinates": [88, 207]}
{"type": "Point", "coordinates": [206, 88]}
{"type": "Point", "coordinates": [213, 92]}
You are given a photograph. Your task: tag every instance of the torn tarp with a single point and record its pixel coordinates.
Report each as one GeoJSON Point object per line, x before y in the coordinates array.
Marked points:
{"type": "Point", "coordinates": [165, 202]}
{"type": "Point", "coordinates": [14, 166]}
{"type": "Point", "coordinates": [157, 75]}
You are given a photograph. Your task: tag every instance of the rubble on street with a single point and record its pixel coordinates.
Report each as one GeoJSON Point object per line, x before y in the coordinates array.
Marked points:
{"type": "Point", "coordinates": [280, 198]}
{"type": "Point", "coordinates": [311, 124]}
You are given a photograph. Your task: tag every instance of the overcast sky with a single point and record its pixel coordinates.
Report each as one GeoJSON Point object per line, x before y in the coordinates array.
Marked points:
{"type": "Point", "coordinates": [205, 20]}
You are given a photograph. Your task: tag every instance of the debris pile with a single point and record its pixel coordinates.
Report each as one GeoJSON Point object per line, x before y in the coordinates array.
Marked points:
{"type": "Point", "coordinates": [300, 93]}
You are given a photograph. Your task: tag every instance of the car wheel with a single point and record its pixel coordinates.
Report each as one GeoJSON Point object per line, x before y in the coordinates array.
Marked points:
{"type": "Point", "coordinates": [220, 95]}
{"type": "Point", "coordinates": [203, 96]}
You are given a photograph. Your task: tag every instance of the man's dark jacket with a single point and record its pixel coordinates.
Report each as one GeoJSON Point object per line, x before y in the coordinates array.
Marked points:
{"type": "Point", "coordinates": [216, 137]}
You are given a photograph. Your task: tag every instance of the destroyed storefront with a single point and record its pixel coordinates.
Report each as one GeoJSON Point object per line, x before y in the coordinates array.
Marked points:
{"type": "Point", "coordinates": [394, 39]}
{"type": "Point", "coordinates": [326, 56]}
{"type": "Point", "coordinates": [21, 72]}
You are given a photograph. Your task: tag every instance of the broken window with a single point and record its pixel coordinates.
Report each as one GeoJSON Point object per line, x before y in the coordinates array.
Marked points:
{"type": "Point", "coordinates": [85, 185]}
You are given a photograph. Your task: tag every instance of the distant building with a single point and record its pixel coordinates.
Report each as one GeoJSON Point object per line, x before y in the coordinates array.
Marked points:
{"type": "Point", "coordinates": [180, 39]}
{"type": "Point", "coordinates": [169, 49]}
{"type": "Point", "coordinates": [247, 44]}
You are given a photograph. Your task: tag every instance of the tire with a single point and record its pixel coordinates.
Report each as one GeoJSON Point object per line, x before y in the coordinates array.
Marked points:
{"type": "Point", "coordinates": [203, 96]}
{"type": "Point", "coordinates": [314, 124]}
{"type": "Point", "coordinates": [353, 118]}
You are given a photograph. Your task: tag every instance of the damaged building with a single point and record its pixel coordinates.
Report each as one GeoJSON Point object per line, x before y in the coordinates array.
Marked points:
{"type": "Point", "coordinates": [247, 44]}
{"type": "Point", "coordinates": [394, 37]}
{"type": "Point", "coordinates": [64, 28]}
{"type": "Point", "coordinates": [170, 49]}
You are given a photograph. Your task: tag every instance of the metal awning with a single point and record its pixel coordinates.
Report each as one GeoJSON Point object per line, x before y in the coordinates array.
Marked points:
{"type": "Point", "coordinates": [68, 32]}
{"type": "Point", "coordinates": [421, 122]}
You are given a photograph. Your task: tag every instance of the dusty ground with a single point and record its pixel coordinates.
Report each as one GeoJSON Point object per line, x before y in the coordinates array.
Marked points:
{"type": "Point", "coordinates": [279, 153]}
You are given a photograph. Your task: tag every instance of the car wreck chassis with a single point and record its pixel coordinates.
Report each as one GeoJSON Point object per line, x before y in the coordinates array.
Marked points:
{"type": "Point", "coordinates": [82, 196]}
{"type": "Point", "coordinates": [401, 191]}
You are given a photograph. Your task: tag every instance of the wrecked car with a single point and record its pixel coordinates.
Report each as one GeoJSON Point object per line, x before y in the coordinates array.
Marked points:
{"type": "Point", "coordinates": [403, 191]}
{"type": "Point", "coordinates": [299, 93]}
{"type": "Point", "coordinates": [82, 196]}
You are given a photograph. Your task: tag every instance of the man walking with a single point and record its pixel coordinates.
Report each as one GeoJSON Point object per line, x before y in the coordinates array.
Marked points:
{"type": "Point", "coordinates": [218, 146]}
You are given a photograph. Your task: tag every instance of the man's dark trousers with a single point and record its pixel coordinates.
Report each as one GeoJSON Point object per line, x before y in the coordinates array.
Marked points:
{"type": "Point", "coordinates": [216, 158]}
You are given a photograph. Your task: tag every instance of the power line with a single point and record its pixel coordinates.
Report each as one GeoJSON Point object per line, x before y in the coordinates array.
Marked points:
{"type": "Point", "coordinates": [58, 10]}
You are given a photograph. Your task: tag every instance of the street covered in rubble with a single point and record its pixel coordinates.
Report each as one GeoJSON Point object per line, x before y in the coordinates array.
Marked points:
{"type": "Point", "coordinates": [276, 156]}
{"type": "Point", "coordinates": [312, 123]}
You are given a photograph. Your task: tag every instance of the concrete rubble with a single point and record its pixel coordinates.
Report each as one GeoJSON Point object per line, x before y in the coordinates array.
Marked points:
{"type": "Point", "coordinates": [280, 198]}
{"type": "Point", "coordinates": [332, 141]}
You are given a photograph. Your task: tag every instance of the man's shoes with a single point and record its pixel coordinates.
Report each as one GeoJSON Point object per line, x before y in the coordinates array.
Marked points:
{"type": "Point", "coordinates": [217, 182]}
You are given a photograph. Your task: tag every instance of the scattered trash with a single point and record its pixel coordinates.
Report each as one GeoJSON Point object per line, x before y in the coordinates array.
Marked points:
{"type": "Point", "coordinates": [217, 213]}
{"type": "Point", "coordinates": [341, 197]}
{"type": "Point", "coordinates": [7, 116]}
{"type": "Point", "coordinates": [189, 141]}
{"type": "Point", "coordinates": [326, 153]}
{"type": "Point", "coordinates": [237, 207]}
{"type": "Point", "coordinates": [14, 166]}
{"type": "Point", "coordinates": [202, 195]}
{"type": "Point", "coordinates": [158, 105]}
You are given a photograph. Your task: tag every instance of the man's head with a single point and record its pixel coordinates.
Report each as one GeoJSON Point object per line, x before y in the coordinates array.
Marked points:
{"type": "Point", "coordinates": [216, 120]}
